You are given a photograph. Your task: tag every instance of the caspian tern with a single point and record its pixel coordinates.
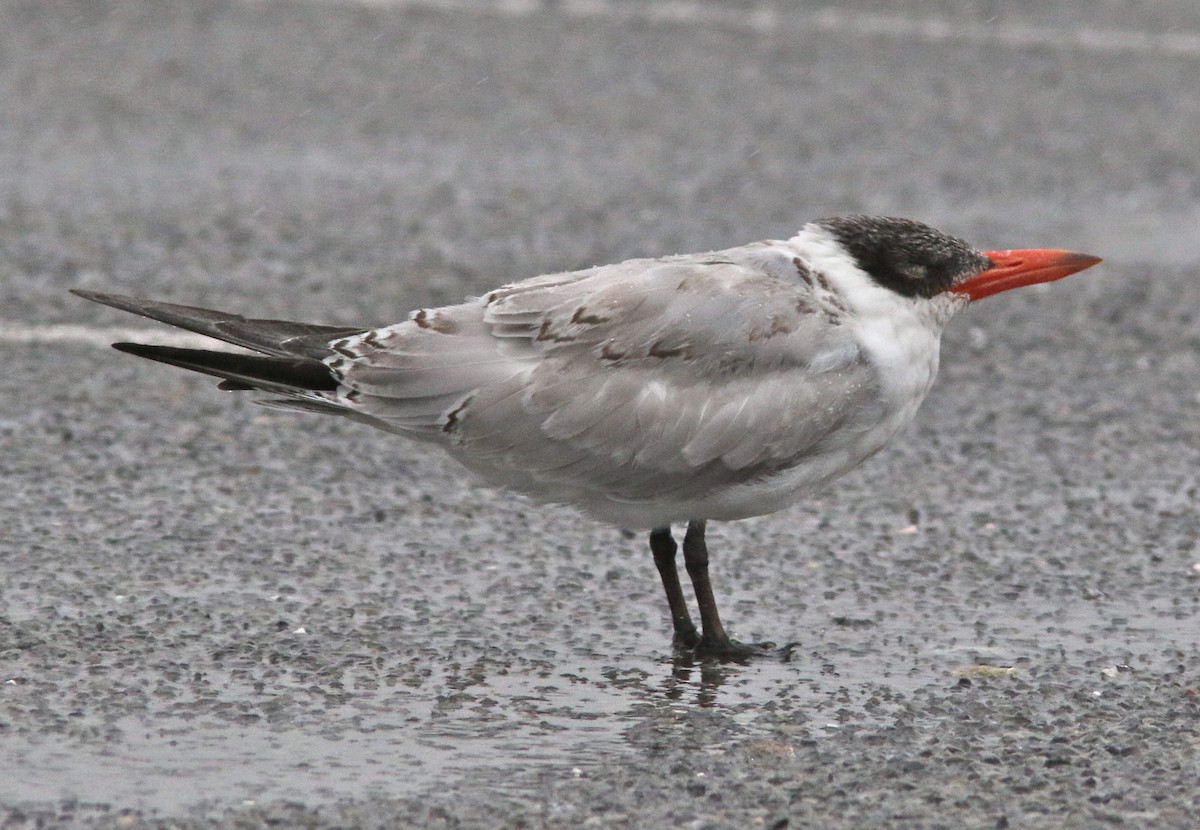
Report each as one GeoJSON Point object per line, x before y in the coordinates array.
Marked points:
{"type": "Point", "coordinates": [716, 386]}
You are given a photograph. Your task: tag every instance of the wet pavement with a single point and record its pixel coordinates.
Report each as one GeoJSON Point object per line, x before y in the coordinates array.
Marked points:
{"type": "Point", "coordinates": [215, 615]}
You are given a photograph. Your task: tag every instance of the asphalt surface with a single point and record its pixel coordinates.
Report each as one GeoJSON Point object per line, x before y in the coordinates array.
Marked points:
{"type": "Point", "coordinates": [215, 615]}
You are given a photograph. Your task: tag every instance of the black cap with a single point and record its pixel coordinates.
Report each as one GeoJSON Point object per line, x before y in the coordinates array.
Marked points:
{"type": "Point", "coordinates": [909, 257]}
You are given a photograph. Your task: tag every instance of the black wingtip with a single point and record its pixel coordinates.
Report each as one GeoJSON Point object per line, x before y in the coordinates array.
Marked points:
{"type": "Point", "coordinates": [159, 353]}
{"type": "Point", "coordinates": [104, 298]}
{"type": "Point", "coordinates": [127, 302]}
{"type": "Point", "coordinates": [281, 338]}
{"type": "Point", "coordinates": [242, 371]}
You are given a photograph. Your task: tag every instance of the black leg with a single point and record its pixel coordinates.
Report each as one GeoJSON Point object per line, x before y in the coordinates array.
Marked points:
{"type": "Point", "coordinates": [714, 641]}
{"type": "Point", "coordinates": [663, 547]}
{"type": "Point", "coordinates": [695, 558]}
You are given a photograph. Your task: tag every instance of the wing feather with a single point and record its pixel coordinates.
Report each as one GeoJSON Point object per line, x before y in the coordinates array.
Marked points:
{"type": "Point", "coordinates": [661, 381]}
{"type": "Point", "coordinates": [637, 373]}
{"type": "Point", "coordinates": [643, 380]}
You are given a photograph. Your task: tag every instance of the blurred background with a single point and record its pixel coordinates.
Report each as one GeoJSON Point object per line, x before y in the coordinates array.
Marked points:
{"type": "Point", "coordinates": [377, 156]}
{"type": "Point", "coordinates": [213, 614]}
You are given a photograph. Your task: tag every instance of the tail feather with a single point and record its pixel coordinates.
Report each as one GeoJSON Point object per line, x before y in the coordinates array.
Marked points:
{"type": "Point", "coordinates": [281, 338]}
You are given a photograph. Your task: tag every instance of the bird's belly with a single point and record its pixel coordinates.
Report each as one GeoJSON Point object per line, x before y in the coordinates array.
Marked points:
{"type": "Point", "coordinates": [786, 487]}
{"type": "Point", "coordinates": [634, 496]}
{"type": "Point", "coordinates": [733, 500]}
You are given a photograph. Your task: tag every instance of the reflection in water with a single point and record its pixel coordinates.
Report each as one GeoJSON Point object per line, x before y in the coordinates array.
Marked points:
{"type": "Point", "coordinates": [502, 715]}
{"type": "Point", "coordinates": [698, 679]}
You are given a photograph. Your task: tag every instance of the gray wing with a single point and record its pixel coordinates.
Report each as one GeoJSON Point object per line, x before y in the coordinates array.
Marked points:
{"type": "Point", "coordinates": [634, 380]}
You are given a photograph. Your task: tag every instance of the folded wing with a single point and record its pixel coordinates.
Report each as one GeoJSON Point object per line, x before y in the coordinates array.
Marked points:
{"type": "Point", "coordinates": [629, 382]}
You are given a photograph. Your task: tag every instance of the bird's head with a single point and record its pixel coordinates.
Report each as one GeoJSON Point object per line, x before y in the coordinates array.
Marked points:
{"type": "Point", "coordinates": [915, 260]}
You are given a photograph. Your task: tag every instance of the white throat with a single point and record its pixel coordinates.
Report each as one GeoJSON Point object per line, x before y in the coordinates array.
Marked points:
{"type": "Point", "coordinates": [900, 336]}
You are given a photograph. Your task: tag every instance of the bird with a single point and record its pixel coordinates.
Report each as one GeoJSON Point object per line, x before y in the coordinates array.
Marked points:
{"type": "Point", "coordinates": [653, 392]}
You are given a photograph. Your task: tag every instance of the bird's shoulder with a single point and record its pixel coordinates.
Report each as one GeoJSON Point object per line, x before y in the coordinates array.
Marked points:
{"type": "Point", "coordinates": [754, 304]}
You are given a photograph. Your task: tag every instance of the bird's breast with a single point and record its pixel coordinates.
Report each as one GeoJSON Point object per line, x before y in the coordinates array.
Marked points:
{"type": "Point", "coordinates": [902, 347]}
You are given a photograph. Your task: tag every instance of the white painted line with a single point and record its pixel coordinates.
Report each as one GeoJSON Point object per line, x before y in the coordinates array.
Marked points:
{"type": "Point", "coordinates": [766, 19]}
{"type": "Point", "coordinates": [104, 336]}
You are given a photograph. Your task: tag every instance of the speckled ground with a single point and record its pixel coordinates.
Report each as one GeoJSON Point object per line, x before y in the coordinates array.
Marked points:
{"type": "Point", "coordinates": [214, 615]}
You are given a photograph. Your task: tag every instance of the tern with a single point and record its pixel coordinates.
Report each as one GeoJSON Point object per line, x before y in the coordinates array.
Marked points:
{"type": "Point", "coordinates": [682, 389]}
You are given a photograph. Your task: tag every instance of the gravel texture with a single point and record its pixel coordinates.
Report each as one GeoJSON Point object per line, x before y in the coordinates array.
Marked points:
{"type": "Point", "coordinates": [214, 615]}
